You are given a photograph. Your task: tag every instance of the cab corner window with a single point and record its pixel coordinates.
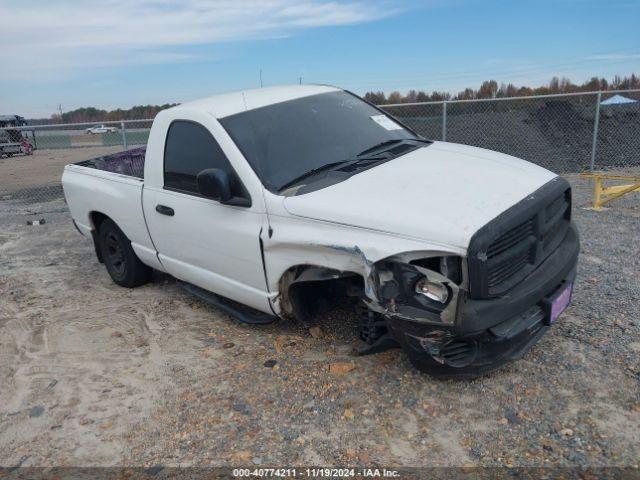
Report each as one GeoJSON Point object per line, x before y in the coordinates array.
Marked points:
{"type": "Point", "coordinates": [189, 149]}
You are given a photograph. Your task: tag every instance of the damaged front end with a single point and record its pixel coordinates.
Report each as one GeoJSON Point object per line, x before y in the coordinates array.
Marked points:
{"type": "Point", "coordinates": [456, 313]}
{"type": "Point", "coordinates": [420, 300]}
{"type": "Point", "coordinates": [427, 309]}
{"type": "Point", "coordinates": [425, 290]}
{"type": "Point", "coordinates": [461, 317]}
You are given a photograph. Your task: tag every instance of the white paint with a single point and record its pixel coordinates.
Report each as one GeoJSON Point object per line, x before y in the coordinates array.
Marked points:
{"type": "Point", "coordinates": [441, 193]}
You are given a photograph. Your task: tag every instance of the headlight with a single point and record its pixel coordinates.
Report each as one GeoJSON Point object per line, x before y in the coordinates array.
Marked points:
{"type": "Point", "coordinates": [435, 291]}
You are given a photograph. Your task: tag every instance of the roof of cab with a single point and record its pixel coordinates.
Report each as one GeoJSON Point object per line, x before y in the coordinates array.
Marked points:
{"type": "Point", "coordinates": [226, 104]}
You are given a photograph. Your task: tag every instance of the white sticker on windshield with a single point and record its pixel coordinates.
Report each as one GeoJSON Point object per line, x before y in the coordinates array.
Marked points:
{"type": "Point", "coordinates": [385, 122]}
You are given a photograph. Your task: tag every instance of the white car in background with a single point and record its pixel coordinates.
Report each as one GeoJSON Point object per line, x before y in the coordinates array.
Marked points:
{"type": "Point", "coordinates": [101, 129]}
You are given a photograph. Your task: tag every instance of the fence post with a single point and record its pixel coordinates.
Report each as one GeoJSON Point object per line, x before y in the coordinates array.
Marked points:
{"type": "Point", "coordinates": [444, 121]}
{"type": "Point", "coordinates": [124, 135]}
{"type": "Point", "coordinates": [596, 124]}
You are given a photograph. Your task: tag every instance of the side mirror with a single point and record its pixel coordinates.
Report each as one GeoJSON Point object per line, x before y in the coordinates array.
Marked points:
{"type": "Point", "coordinates": [214, 183]}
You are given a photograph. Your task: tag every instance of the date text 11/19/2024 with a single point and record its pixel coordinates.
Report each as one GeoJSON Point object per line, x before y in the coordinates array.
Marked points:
{"type": "Point", "coordinates": [315, 472]}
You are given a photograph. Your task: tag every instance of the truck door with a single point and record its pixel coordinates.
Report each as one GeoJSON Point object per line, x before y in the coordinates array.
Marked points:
{"type": "Point", "coordinates": [200, 240]}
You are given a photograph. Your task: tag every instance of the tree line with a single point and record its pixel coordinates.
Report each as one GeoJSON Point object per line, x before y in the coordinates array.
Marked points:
{"type": "Point", "coordinates": [491, 89]}
{"type": "Point", "coordinates": [488, 89]}
{"type": "Point", "coordinates": [91, 114]}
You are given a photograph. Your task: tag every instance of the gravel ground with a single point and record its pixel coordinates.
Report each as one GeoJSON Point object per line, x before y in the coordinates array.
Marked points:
{"type": "Point", "coordinates": [93, 374]}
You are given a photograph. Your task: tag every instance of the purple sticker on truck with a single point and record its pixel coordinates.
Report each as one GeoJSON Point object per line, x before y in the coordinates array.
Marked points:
{"type": "Point", "coordinates": [561, 302]}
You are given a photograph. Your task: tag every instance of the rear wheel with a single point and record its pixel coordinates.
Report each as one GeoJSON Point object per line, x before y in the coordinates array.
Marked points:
{"type": "Point", "coordinates": [124, 267]}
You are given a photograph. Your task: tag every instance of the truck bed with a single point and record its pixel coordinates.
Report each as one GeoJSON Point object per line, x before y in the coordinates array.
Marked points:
{"type": "Point", "coordinates": [111, 185]}
{"type": "Point", "coordinates": [130, 162]}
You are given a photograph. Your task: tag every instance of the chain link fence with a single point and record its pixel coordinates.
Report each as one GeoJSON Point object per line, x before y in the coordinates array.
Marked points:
{"type": "Point", "coordinates": [558, 132]}
{"type": "Point", "coordinates": [32, 157]}
{"type": "Point", "coordinates": [73, 135]}
{"type": "Point", "coordinates": [564, 133]}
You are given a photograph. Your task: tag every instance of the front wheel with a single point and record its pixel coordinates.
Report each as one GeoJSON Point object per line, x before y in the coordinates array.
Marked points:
{"type": "Point", "coordinates": [123, 265]}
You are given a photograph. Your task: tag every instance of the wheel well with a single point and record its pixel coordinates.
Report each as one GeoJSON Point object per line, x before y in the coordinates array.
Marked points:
{"type": "Point", "coordinates": [306, 291]}
{"type": "Point", "coordinates": [96, 220]}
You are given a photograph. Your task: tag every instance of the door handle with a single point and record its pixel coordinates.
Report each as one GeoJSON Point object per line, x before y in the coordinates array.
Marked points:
{"type": "Point", "coordinates": [164, 210]}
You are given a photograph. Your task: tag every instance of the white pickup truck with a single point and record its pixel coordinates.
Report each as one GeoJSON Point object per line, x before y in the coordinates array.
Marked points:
{"type": "Point", "coordinates": [282, 199]}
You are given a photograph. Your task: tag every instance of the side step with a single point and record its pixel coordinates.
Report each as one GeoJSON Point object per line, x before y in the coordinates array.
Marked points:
{"type": "Point", "coordinates": [223, 304]}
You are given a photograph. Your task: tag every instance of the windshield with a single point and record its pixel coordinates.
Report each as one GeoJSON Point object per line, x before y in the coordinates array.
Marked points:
{"type": "Point", "coordinates": [284, 141]}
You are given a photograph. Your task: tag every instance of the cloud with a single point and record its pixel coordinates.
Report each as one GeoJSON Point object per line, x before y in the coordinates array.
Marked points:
{"type": "Point", "coordinates": [615, 56]}
{"type": "Point", "coordinates": [56, 39]}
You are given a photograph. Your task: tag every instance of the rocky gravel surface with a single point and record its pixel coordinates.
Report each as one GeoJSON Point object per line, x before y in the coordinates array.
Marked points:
{"type": "Point", "coordinates": [93, 374]}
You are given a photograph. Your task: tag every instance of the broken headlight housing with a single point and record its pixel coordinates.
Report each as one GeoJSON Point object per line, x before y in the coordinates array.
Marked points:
{"type": "Point", "coordinates": [451, 267]}
{"type": "Point", "coordinates": [436, 291]}
{"type": "Point", "coordinates": [423, 289]}
{"type": "Point", "coordinates": [448, 266]}
{"type": "Point", "coordinates": [435, 285]}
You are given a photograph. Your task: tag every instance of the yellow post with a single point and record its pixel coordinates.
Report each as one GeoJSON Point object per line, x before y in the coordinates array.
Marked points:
{"type": "Point", "coordinates": [597, 205]}
{"type": "Point", "coordinates": [602, 194]}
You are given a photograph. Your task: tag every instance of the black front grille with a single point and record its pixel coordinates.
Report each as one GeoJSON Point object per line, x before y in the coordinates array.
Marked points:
{"type": "Point", "coordinates": [514, 244]}
{"type": "Point", "coordinates": [510, 239]}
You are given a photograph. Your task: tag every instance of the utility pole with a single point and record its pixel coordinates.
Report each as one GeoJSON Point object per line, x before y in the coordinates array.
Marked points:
{"type": "Point", "coordinates": [260, 78]}
{"type": "Point", "coordinates": [60, 109]}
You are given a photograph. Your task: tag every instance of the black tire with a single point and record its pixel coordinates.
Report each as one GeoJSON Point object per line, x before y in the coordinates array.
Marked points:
{"type": "Point", "coordinates": [124, 267]}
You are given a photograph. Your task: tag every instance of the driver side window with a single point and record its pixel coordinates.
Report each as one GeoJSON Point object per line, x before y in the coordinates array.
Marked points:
{"type": "Point", "coordinates": [189, 149]}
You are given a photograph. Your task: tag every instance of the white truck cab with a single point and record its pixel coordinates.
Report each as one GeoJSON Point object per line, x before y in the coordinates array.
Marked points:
{"type": "Point", "coordinates": [283, 198]}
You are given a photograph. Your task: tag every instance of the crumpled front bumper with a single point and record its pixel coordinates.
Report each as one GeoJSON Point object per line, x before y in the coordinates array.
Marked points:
{"type": "Point", "coordinates": [490, 332]}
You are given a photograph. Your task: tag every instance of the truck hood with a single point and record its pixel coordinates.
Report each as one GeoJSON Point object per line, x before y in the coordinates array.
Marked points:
{"type": "Point", "coordinates": [442, 193]}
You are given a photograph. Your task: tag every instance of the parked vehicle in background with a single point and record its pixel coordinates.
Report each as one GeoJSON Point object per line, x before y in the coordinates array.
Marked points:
{"type": "Point", "coordinates": [13, 143]}
{"type": "Point", "coordinates": [27, 147]}
{"type": "Point", "coordinates": [12, 121]}
{"type": "Point", "coordinates": [101, 129]}
{"type": "Point", "coordinates": [7, 146]}
{"type": "Point", "coordinates": [282, 199]}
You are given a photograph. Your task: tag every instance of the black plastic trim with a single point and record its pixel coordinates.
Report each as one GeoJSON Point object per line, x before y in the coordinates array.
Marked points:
{"type": "Point", "coordinates": [531, 207]}
{"type": "Point", "coordinates": [228, 306]}
{"type": "Point", "coordinates": [233, 201]}
{"type": "Point", "coordinates": [560, 266]}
